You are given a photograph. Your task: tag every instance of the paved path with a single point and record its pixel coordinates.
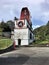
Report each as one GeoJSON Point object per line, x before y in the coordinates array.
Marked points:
{"type": "Point", "coordinates": [26, 56]}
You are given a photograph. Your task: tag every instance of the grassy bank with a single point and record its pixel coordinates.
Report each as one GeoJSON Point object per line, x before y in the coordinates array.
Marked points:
{"type": "Point", "coordinates": [40, 43]}
{"type": "Point", "coordinates": [5, 43]}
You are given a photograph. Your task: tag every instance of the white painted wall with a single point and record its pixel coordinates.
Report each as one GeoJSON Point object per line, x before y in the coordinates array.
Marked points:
{"type": "Point", "coordinates": [21, 33]}
{"type": "Point", "coordinates": [24, 42]}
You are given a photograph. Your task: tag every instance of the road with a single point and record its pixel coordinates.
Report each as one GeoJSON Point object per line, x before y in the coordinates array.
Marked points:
{"type": "Point", "coordinates": [26, 56]}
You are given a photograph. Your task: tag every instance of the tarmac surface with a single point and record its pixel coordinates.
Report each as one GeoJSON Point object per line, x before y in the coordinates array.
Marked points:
{"type": "Point", "coordinates": [26, 56]}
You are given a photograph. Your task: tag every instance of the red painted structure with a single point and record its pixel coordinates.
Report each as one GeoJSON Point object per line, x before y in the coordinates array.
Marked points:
{"type": "Point", "coordinates": [25, 14]}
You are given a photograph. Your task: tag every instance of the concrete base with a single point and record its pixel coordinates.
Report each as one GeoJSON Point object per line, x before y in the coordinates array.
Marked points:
{"type": "Point", "coordinates": [23, 42]}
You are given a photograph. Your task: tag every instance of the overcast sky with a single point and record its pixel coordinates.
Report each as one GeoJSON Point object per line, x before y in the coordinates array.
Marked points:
{"type": "Point", "coordinates": [39, 10]}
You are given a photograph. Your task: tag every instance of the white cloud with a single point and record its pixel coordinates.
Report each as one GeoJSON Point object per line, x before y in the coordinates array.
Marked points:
{"type": "Point", "coordinates": [34, 2]}
{"type": "Point", "coordinates": [47, 1]}
{"type": "Point", "coordinates": [35, 26]}
{"type": "Point", "coordinates": [13, 8]}
{"type": "Point", "coordinates": [45, 17]}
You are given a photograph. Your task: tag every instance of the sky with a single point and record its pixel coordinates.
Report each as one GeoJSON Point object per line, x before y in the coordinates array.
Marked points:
{"type": "Point", "coordinates": [39, 10]}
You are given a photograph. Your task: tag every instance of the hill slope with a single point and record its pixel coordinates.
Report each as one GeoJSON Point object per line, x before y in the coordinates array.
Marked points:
{"type": "Point", "coordinates": [42, 33]}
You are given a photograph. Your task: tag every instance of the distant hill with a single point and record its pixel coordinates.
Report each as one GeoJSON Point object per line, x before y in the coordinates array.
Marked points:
{"type": "Point", "coordinates": [42, 33]}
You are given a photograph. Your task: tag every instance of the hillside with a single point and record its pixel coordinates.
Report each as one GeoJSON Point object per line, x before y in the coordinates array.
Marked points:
{"type": "Point", "coordinates": [42, 33]}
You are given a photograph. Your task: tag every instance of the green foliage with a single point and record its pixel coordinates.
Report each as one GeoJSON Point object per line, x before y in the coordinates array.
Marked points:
{"type": "Point", "coordinates": [47, 26]}
{"type": "Point", "coordinates": [41, 42]}
{"type": "Point", "coordinates": [10, 23]}
{"type": "Point", "coordinates": [4, 26]}
{"type": "Point", "coordinates": [42, 33]}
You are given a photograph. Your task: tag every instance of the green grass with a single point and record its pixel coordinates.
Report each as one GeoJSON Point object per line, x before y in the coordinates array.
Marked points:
{"type": "Point", "coordinates": [44, 42]}
{"type": "Point", "coordinates": [4, 43]}
{"type": "Point", "coordinates": [41, 42]}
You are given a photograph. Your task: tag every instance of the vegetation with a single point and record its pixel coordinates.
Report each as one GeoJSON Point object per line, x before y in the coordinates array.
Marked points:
{"type": "Point", "coordinates": [5, 43]}
{"type": "Point", "coordinates": [5, 27]}
{"type": "Point", "coordinates": [5, 31]}
{"type": "Point", "coordinates": [8, 26]}
{"type": "Point", "coordinates": [42, 34]}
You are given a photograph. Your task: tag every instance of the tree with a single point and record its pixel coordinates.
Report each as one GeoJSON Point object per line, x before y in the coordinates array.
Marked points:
{"type": "Point", "coordinates": [47, 26]}
{"type": "Point", "coordinates": [10, 23]}
{"type": "Point", "coordinates": [2, 24]}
